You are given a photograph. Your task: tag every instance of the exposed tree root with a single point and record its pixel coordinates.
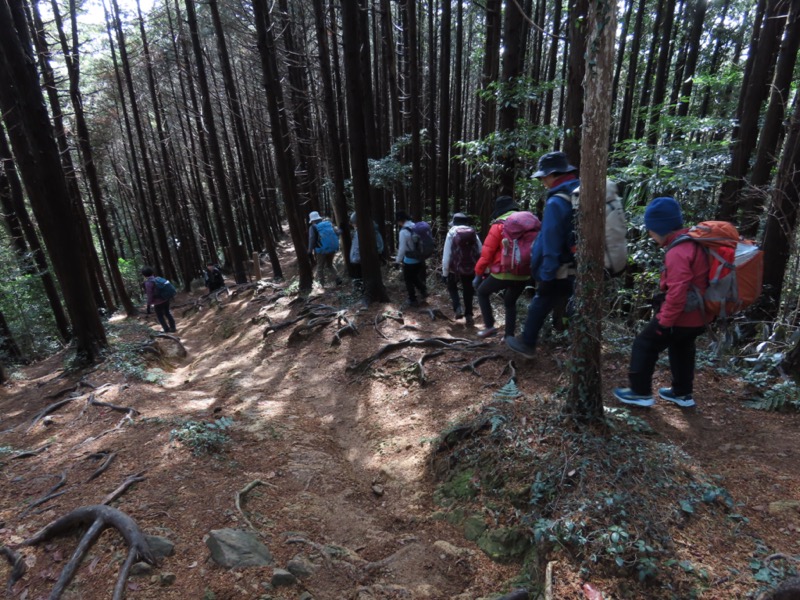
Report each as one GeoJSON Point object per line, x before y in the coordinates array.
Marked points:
{"type": "Point", "coordinates": [48, 496]}
{"type": "Point", "coordinates": [511, 369]}
{"type": "Point", "coordinates": [473, 366]}
{"type": "Point", "coordinates": [109, 458]}
{"type": "Point", "coordinates": [129, 412]}
{"type": "Point", "coordinates": [18, 567]}
{"type": "Point", "coordinates": [123, 487]}
{"type": "Point", "coordinates": [383, 317]}
{"type": "Point", "coordinates": [348, 327]}
{"type": "Point", "coordinates": [98, 518]}
{"type": "Point", "coordinates": [371, 567]}
{"type": "Point", "coordinates": [446, 343]}
{"type": "Point", "coordinates": [181, 348]}
{"type": "Point", "coordinates": [49, 409]}
{"type": "Point", "coordinates": [420, 365]}
{"type": "Point", "coordinates": [240, 498]}
{"type": "Point", "coordinates": [29, 453]}
{"type": "Point", "coordinates": [433, 313]}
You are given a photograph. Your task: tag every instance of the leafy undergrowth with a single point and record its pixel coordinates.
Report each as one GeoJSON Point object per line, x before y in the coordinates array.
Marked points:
{"type": "Point", "coordinates": [614, 502]}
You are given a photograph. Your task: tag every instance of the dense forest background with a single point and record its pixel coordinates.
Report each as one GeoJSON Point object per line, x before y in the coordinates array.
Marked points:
{"type": "Point", "coordinates": [198, 131]}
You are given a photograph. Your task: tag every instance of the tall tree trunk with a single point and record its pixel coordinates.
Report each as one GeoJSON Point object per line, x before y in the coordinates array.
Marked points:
{"type": "Point", "coordinates": [647, 78]}
{"type": "Point", "coordinates": [625, 116]}
{"type": "Point", "coordinates": [771, 128]}
{"type": "Point", "coordinates": [36, 152]}
{"type": "Point", "coordinates": [236, 251]}
{"type": "Point", "coordinates": [443, 174]}
{"type": "Point", "coordinates": [782, 216]}
{"type": "Point", "coordinates": [488, 106]}
{"type": "Point", "coordinates": [248, 163]}
{"type": "Point", "coordinates": [662, 73]}
{"type": "Point", "coordinates": [552, 64]}
{"type": "Point", "coordinates": [509, 110]}
{"type": "Point", "coordinates": [416, 206]}
{"type": "Point", "coordinates": [755, 93]}
{"type": "Point", "coordinates": [20, 211]}
{"type": "Point", "coordinates": [353, 36]}
{"type": "Point", "coordinates": [281, 140]}
{"type": "Point", "coordinates": [692, 54]}
{"type": "Point", "coordinates": [577, 68]}
{"type": "Point", "coordinates": [585, 402]}
{"type": "Point", "coordinates": [72, 61]}
{"type": "Point", "coordinates": [456, 179]}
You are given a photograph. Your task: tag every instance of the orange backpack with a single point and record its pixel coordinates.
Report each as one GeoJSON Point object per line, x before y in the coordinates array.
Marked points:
{"type": "Point", "coordinates": [735, 267]}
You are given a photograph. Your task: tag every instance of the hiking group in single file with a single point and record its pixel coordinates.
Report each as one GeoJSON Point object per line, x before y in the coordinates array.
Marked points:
{"type": "Point", "coordinates": [708, 272]}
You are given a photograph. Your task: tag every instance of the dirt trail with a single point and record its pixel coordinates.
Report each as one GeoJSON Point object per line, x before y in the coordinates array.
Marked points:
{"type": "Point", "coordinates": [343, 460]}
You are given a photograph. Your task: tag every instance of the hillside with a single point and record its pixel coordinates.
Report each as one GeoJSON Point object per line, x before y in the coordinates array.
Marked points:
{"type": "Point", "coordinates": [341, 466]}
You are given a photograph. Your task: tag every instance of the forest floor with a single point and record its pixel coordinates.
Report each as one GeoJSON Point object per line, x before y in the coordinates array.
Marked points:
{"type": "Point", "coordinates": [344, 460]}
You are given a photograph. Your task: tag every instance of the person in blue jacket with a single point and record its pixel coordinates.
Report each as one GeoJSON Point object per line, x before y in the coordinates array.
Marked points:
{"type": "Point", "coordinates": [552, 255]}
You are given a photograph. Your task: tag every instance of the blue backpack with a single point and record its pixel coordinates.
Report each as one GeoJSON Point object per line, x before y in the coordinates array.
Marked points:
{"type": "Point", "coordinates": [164, 289]}
{"type": "Point", "coordinates": [328, 242]}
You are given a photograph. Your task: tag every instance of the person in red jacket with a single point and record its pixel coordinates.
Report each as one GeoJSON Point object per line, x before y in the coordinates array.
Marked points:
{"type": "Point", "coordinates": [489, 276]}
{"type": "Point", "coordinates": [680, 317]}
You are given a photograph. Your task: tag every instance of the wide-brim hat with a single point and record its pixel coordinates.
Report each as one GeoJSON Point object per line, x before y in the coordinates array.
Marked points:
{"type": "Point", "coordinates": [553, 162]}
{"type": "Point", "coordinates": [502, 205]}
{"type": "Point", "coordinates": [314, 216]}
{"type": "Point", "coordinates": [459, 219]}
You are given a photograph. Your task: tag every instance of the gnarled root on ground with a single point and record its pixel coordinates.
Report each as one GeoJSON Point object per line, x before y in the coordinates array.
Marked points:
{"type": "Point", "coordinates": [447, 343]}
{"type": "Point", "coordinates": [97, 518]}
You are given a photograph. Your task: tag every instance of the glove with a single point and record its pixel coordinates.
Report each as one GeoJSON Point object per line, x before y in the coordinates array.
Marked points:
{"type": "Point", "coordinates": [546, 288]}
{"type": "Point", "coordinates": [476, 283]}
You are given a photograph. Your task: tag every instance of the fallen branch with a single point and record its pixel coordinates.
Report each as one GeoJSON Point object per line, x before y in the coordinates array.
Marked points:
{"type": "Point", "coordinates": [51, 493]}
{"type": "Point", "coordinates": [98, 518]}
{"type": "Point", "coordinates": [123, 487]}
{"type": "Point", "coordinates": [458, 344]}
{"type": "Point", "coordinates": [130, 412]}
{"type": "Point", "coordinates": [473, 366]}
{"type": "Point", "coordinates": [109, 458]}
{"type": "Point", "coordinates": [240, 498]}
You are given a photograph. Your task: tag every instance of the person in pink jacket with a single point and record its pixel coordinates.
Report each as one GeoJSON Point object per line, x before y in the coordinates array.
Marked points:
{"type": "Point", "coordinates": [679, 317]}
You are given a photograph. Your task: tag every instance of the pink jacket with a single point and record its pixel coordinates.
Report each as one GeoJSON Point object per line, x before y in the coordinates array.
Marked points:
{"type": "Point", "coordinates": [685, 268]}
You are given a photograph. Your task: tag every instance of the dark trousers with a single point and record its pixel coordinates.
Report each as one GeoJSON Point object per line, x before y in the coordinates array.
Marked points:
{"type": "Point", "coordinates": [651, 341]}
{"type": "Point", "coordinates": [542, 305]}
{"type": "Point", "coordinates": [164, 316]}
{"type": "Point", "coordinates": [469, 292]}
{"type": "Point", "coordinates": [511, 289]}
{"type": "Point", "coordinates": [414, 277]}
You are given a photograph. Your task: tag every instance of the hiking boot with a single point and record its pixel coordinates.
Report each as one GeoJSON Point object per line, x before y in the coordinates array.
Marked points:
{"type": "Point", "coordinates": [627, 396]}
{"type": "Point", "coordinates": [487, 332]}
{"type": "Point", "coordinates": [459, 314]}
{"type": "Point", "coordinates": [682, 401]}
{"type": "Point", "coordinates": [520, 347]}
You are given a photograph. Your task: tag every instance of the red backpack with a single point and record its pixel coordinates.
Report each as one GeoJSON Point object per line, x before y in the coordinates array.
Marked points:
{"type": "Point", "coordinates": [464, 251]}
{"type": "Point", "coordinates": [735, 267]}
{"type": "Point", "coordinates": [519, 232]}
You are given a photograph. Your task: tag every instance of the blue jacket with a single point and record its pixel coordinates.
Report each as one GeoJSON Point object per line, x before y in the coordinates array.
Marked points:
{"type": "Point", "coordinates": [552, 247]}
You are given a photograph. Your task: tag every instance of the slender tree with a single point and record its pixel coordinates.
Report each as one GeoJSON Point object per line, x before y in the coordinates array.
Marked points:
{"type": "Point", "coordinates": [37, 155]}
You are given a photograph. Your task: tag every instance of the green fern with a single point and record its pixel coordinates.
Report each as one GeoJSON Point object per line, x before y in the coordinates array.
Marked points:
{"type": "Point", "coordinates": [508, 392]}
{"type": "Point", "coordinates": [781, 397]}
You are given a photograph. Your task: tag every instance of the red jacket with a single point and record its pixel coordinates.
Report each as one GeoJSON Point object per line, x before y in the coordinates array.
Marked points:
{"type": "Point", "coordinates": [685, 269]}
{"type": "Point", "coordinates": [492, 251]}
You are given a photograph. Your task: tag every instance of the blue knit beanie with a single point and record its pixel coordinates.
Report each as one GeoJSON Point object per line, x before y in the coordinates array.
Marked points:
{"type": "Point", "coordinates": [663, 215]}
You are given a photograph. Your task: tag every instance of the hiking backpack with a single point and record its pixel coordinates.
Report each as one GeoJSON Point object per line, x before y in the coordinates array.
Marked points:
{"type": "Point", "coordinates": [164, 289]}
{"type": "Point", "coordinates": [735, 268]}
{"type": "Point", "coordinates": [519, 232]}
{"type": "Point", "coordinates": [616, 246]}
{"type": "Point", "coordinates": [328, 241]}
{"type": "Point", "coordinates": [421, 241]}
{"type": "Point", "coordinates": [464, 251]}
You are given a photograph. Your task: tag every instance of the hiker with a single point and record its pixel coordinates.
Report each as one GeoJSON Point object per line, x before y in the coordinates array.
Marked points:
{"type": "Point", "coordinates": [213, 277]}
{"type": "Point", "coordinates": [679, 314]}
{"type": "Point", "coordinates": [413, 268]}
{"type": "Point", "coordinates": [355, 249]}
{"type": "Point", "coordinates": [323, 244]}
{"type": "Point", "coordinates": [462, 248]}
{"type": "Point", "coordinates": [552, 259]}
{"type": "Point", "coordinates": [159, 292]}
{"type": "Point", "coordinates": [489, 276]}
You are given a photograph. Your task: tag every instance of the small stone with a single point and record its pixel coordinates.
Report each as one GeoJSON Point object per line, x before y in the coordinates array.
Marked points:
{"type": "Point", "coordinates": [161, 547]}
{"type": "Point", "coordinates": [377, 490]}
{"type": "Point", "coordinates": [299, 567]}
{"type": "Point", "coordinates": [306, 596]}
{"type": "Point", "coordinates": [281, 577]}
{"type": "Point", "coordinates": [450, 550]}
{"type": "Point", "coordinates": [236, 548]}
{"type": "Point", "coordinates": [168, 579]}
